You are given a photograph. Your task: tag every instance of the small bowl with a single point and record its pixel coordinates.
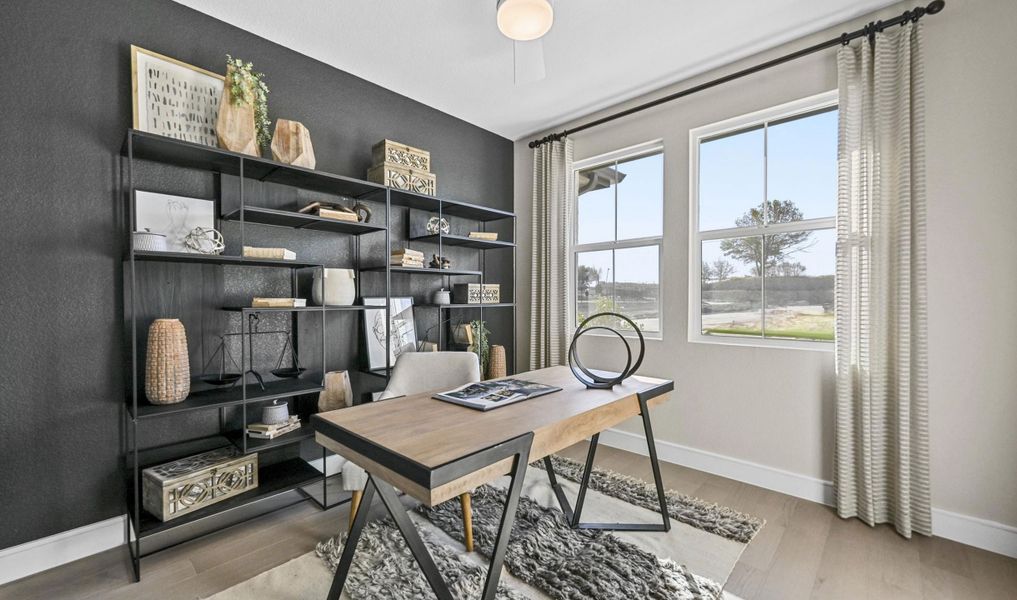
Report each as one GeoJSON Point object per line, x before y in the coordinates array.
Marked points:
{"type": "Point", "coordinates": [223, 379]}
{"type": "Point", "coordinates": [149, 241]}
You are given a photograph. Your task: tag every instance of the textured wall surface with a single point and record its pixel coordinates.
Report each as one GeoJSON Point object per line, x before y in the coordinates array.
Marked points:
{"type": "Point", "coordinates": [66, 102]}
{"type": "Point", "coordinates": [774, 407]}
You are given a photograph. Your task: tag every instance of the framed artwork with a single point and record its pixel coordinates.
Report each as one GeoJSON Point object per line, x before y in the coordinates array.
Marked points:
{"type": "Point", "coordinates": [402, 330]}
{"type": "Point", "coordinates": [172, 216]}
{"type": "Point", "coordinates": [173, 98]}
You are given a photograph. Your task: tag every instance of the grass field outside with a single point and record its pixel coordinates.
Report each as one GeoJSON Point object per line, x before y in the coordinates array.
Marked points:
{"type": "Point", "coordinates": [799, 323]}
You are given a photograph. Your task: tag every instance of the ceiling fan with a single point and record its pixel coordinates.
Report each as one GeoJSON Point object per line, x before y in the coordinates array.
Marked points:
{"type": "Point", "coordinates": [525, 22]}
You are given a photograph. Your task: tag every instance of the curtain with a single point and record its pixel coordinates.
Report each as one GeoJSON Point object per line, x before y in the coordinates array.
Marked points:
{"type": "Point", "coordinates": [549, 275]}
{"type": "Point", "coordinates": [882, 457]}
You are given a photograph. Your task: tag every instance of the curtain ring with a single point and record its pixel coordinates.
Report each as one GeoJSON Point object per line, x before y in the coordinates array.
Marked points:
{"type": "Point", "coordinates": [844, 39]}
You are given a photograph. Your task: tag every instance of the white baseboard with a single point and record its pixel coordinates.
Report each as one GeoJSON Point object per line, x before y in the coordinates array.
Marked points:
{"type": "Point", "coordinates": [61, 548]}
{"type": "Point", "coordinates": [973, 531]}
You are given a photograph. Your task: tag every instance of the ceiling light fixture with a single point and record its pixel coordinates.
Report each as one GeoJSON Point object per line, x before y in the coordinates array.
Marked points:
{"type": "Point", "coordinates": [525, 20]}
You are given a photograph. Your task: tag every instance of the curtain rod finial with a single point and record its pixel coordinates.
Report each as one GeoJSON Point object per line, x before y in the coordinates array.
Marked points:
{"type": "Point", "coordinates": [935, 6]}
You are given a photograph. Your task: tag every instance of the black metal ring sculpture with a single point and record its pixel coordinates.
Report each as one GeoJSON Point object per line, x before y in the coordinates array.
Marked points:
{"type": "Point", "coordinates": [600, 382]}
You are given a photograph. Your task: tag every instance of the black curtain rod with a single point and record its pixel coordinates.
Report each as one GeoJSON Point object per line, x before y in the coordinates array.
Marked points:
{"type": "Point", "coordinates": [868, 31]}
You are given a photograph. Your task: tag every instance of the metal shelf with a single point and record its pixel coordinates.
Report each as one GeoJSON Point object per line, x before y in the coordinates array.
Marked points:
{"type": "Point", "coordinates": [220, 398]}
{"type": "Point", "coordinates": [260, 445]}
{"type": "Point", "coordinates": [452, 208]}
{"type": "Point", "coordinates": [455, 306]}
{"type": "Point", "coordinates": [462, 240]}
{"type": "Point", "coordinates": [218, 259]}
{"type": "Point", "coordinates": [426, 271]}
{"type": "Point", "coordinates": [298, 220]}
{"type": "Point", "coordinates": [149, 146]}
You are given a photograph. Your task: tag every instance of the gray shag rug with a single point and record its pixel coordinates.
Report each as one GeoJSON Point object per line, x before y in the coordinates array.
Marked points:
{"type": "Point", "coordinates": [716, 519]}
{"type": "Point", "coordinates": [546, 559]}
{"type": "Point", "coordinates": [570, 563]}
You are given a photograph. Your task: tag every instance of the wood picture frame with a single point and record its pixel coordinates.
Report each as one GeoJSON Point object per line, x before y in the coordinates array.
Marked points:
{"type": "Point", "coordinates": [173, 98]}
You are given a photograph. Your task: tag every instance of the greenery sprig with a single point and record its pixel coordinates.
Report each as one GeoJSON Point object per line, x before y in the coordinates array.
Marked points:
{"type": "Point", "coordinates": [248, 87]}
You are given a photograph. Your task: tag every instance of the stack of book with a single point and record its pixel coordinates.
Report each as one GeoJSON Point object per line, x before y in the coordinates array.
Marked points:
{"type": "Point", "coordinates": [484, 235]}
{"type": "Point", "coordinates": [330, 211]}
{"type": "Point", "coordinates": [407, 258]}
{"type": "Point", "coordinates": [279, 303]}
{"type": "Point", "coordinates": [262, 431]}
{"type": "Point", "coordinates": [276, 253]}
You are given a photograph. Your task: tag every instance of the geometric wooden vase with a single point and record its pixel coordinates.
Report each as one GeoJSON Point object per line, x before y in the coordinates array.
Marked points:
{"type": "Point", "coordinates": [235, 125]}
{"type": "Point", "coordinates": [337, 393]}
{"type": "Point", "coordinates": [291, 144]}
{"type": "Point", "coordinates": [167, 369]}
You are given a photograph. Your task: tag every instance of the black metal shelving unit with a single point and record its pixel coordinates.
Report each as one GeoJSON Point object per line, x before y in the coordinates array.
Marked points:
{"type": "Point", "coordinates": [291, 480]}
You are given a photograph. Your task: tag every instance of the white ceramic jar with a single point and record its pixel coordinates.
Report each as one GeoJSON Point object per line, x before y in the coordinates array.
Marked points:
{"type": "Point", "coordinates": [340, 287]}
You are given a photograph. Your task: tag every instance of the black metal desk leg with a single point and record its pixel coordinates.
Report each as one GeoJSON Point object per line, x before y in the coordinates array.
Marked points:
{"type": "Point", "coordinates": [508, 517]}
{"type": "Point", "coordinates": [346, 560]}
{"type": "Point", "coordinates": [573, 516]}
{"type": "Point", "coordinates": [402, 519]}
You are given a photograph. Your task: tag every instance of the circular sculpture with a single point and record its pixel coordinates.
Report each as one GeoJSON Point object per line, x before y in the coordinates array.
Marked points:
{"type": "Point", "coordinates": [205, 240]}
{"type": "Point", "coordinates": [596, 381]}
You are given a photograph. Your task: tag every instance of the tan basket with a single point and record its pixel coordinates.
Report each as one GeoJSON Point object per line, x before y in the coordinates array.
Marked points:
{"type": "Point", "coordinates": [167, 370]}
{"type": "Point", "coordinates": [497, 367]}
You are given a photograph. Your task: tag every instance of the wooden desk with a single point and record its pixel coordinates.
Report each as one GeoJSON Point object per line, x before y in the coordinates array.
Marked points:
{"type": "Point", "coordinates": [434, 451]}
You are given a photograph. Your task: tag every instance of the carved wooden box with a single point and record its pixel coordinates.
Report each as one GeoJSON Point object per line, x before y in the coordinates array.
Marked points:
{"type": "Point", "coordinates": [189, 484]}
{"type": "Point", "coordinates": [473, 293]}
{"type": "Point", "coordinates": [410, 180]}
{"type": "Point", "coordinates": [401, 155]}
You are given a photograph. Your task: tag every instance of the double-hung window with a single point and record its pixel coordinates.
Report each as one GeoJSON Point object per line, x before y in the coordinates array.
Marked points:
{"type": "Point", "coordinates": [617, 231]}
{"type": "Point", "coordinates": [763, 206]}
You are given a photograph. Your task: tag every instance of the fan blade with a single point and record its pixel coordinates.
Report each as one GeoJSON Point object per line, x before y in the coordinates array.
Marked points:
{"type": "Point", "coordinates": [529, 61]}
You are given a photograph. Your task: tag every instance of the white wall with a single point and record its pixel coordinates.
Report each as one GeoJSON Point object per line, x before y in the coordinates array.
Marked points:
{"type": "Point", "coordinates": [774, 406]}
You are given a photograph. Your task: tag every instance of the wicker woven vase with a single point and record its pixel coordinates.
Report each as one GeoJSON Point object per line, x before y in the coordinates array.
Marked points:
{"type": "Point", "coordinates": [167, 370]}
{"type": "Point", "coordinates": [496, 368]}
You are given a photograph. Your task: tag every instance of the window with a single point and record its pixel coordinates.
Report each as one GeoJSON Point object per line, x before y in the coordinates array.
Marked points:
{"type": "Point", "coordinates": [619, 212]}
{"type": "Point", "coordinates": [763, 205]}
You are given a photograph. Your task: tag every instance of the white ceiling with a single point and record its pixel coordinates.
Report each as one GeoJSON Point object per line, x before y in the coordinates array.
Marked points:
{"type": "Point", "coordinates": [449, 54]}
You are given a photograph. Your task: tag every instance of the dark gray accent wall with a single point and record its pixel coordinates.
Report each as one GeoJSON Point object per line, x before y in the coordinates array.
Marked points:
{"type": "Point", "coordinates": [65, 105]}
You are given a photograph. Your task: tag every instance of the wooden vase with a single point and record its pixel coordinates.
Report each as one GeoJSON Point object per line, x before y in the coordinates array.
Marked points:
{"type": "Point", "coordinates": [497, 367]}
{"type": "Point", "coordinates": [235, 126]}
{"type": "Point", "coordinates": [167, 368]}
{"type": "Point", "coordinates": [337, 394]}
{"type": "Point", "coordinates": [291, 144]}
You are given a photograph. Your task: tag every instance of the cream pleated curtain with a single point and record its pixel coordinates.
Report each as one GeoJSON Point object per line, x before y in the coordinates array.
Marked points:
{"type": "Point", "coordinates": [882, 456]}
{"type": "Point", "coordinates": [549, 275]}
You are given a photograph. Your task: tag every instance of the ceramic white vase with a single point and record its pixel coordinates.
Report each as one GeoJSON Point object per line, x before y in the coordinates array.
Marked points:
{"type": "Point", "coordinates": [340, 287]}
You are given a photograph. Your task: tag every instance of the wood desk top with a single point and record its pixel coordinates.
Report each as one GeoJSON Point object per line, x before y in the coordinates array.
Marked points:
{"type": "Point", "coordinates": [409, 437]}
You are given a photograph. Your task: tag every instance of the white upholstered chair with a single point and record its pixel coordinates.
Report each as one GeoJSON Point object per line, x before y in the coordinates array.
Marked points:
{"type": "Point", "coordinates": [416, 372]}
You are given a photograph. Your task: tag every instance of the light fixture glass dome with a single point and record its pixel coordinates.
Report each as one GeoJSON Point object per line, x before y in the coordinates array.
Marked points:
{"type": "Point", "coordinates": [524, 20]}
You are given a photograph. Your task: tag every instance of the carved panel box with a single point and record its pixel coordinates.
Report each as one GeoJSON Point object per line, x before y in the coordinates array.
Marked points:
{"type": "Point", "coordinates": [410, 180]}
{"type": "Point", "coordinates": [401, 155]}
{"type": "Point", "coordinates": [473, 293]}
{"type": "Point", "coordinates": [188, 484]}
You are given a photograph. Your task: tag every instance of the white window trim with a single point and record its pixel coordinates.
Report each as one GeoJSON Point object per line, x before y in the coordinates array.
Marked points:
{"type": "Point", "coordinates": [790, 109]}
{"type": "Point", "coordinates": [627, 153]}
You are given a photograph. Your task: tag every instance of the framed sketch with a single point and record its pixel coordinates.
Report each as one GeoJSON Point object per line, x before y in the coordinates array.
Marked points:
{"type": "Point", "coordinates": [402, 330]}
{"type": "Point", "coordinates": [172, 216]}
{"type": "Point", "coordinates": [173, 98]}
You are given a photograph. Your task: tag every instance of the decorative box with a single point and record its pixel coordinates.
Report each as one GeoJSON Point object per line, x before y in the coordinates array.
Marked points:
{"type": "Point", "coordinates": [401, 155]}
{"type": "Point", "coordinates": [473, 293]}
{"type": "Point", "coordinates": [189, 484]}
{"type": "Point", "coordinates": [402, 178]}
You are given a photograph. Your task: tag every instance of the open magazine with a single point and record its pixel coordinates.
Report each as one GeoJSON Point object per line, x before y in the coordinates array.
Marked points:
{"type": "Point", "coordinates": [493, 394]}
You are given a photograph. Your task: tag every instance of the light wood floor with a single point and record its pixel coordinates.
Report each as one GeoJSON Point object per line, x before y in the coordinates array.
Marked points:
{"type": "Point", "coordinates": [803, 551]}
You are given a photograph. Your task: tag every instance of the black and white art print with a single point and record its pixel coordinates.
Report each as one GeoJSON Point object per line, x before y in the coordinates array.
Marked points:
{"type": "Point", "coordinates": [172, 216]}
{"type": "Point", "coordinates": [174, 99]}
{"type": "Point", "coordinates": [402, 330]}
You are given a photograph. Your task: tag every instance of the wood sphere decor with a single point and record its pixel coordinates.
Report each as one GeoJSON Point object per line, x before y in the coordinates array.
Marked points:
{"type": "Point", "coordinates": [167, 368]}
{"type": "Point", "coordinates": [235, 125]}
{"type": "Point", "coordinates": [291, 144]}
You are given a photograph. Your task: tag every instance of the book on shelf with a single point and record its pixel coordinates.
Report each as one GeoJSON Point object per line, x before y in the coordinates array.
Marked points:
{"type": "Point", "coordinates": [267, 428]}
{"type": "Point", "coordinates": [484, 235]}
{"type": "Point", "coordinates": [271, 435]}
{"type": "Point", "coordinates": [337, 215]}
{"type": "Point", "coordinates": [279, 303]}
{"type": "Point", "coordinates": [275, 253]}
{"type": "Point", "coordinates": [408, 253]}
{"type": "Point", "coordinates": [486, 395]}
